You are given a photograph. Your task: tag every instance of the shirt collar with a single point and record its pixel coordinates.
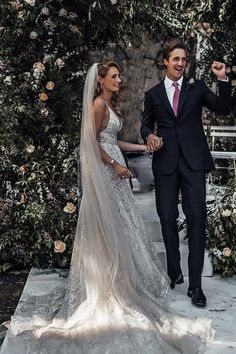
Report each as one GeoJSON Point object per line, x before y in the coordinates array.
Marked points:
{"type": "Point", "coordinates": [168, 82]}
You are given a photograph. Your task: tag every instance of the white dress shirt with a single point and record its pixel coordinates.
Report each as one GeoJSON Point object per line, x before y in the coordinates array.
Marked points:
{"type": "Point", "coordinates": [170, 89]}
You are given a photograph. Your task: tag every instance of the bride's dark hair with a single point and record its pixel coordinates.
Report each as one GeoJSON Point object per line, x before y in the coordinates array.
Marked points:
{"type": "Point", "coordinates": [102, 71]}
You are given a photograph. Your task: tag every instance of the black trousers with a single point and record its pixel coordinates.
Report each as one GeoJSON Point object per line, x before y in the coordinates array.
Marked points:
{"type": "Point", "coordinates": [192, 185]}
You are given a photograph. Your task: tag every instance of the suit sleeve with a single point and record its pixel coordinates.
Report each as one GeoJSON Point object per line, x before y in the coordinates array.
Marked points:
{"type": "Point", "coordinates": [147, 126]}
{"type": "Point", "coordinates": [220, 104]}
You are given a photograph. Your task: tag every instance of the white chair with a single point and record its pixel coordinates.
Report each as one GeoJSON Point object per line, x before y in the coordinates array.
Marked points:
{"type": "Point", "coordinates": [218, 132]}
{"type": "Point", "coordinates": [221, 132]}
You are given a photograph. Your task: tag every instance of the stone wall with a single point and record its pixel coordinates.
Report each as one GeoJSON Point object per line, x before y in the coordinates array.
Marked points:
{"type": "Point", "coordinates": [142, 68]}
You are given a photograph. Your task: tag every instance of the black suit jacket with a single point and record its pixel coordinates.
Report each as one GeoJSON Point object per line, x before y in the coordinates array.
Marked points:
{"type": "Point", "coordinates": [185, 131]}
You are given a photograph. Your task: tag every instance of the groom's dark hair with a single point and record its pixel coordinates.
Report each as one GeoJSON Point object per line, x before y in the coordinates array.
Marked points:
{"type": "Point", "coordinates": [172, 45]}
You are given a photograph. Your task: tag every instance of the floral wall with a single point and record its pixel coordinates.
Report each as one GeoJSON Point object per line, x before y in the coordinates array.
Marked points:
{"type": "Point", "coordinates": [46, 48]}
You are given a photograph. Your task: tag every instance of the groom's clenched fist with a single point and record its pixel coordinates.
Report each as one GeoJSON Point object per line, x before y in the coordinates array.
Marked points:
{"type": "Point", "coordinates": [218, 69]}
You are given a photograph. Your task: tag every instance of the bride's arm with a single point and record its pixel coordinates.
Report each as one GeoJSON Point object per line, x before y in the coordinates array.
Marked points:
{"type": "Point", "coordinates": [129, 147]}
{"type": "Point", "coordinates": [101, 119]}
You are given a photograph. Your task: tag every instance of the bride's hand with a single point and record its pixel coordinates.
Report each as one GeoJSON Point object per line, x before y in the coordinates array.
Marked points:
{"type": "Point", "coordinates": [154, 142]}
{"type": "Point", "coordinates": [122, 171]}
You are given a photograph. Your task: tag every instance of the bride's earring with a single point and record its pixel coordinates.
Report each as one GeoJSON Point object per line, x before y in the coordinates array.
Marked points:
{"type": "Point", "coordinates": [100, 85]}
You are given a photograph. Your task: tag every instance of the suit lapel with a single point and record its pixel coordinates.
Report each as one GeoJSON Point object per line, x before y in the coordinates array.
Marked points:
{"type": "Point", "coordinates": [164, 98]}
{"type": "Point", "coordinates": [183, 94]}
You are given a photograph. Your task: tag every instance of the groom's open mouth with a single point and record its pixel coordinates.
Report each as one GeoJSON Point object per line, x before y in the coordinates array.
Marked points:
{"type": "Point", "coordinates": [179, 69]}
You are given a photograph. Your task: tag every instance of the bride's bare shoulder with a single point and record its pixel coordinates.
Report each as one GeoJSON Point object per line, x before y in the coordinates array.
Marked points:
{"type": "Point", "coordinates": [99, 106]}
{"type": "Point", "coordinates": [99, 102]}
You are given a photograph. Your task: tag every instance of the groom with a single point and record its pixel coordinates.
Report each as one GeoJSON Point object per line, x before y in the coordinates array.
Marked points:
{"type": "Point", "coordinates": [172, 128]}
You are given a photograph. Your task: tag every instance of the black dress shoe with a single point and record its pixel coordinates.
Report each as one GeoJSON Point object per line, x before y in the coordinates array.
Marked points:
{"type": "Point", "coordinates": [179, 280]}
{"type": "Point", "coordinates": [197, 296]}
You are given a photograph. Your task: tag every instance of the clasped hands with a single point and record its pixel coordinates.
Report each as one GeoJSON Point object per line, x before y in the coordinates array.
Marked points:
{"type": "Point", "coordinates": [154, 142]}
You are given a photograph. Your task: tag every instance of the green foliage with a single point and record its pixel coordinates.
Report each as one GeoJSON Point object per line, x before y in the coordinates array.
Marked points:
{"type": "Point", "coordinates": [221, 231]}
{"type": "Point", "coordinates": [44, 57]}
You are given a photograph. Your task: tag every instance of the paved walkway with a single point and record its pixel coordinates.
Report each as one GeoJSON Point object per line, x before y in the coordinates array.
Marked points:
{"type": "Point", "coordinates": [221, 308]}
{"type": "Point", "coordinates": [221, 294]}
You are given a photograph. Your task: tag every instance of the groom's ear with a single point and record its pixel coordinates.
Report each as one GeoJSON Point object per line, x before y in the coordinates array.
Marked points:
{"type": "Point", "coordinates": [165, 62]}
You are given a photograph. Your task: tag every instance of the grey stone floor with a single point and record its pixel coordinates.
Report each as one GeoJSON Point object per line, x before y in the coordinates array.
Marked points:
{"type": "Point", "coordinates": [221, 308]}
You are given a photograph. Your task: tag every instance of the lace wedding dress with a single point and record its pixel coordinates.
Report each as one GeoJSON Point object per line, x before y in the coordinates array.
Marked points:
{"type": "Point", "coordinates": [116, 298]}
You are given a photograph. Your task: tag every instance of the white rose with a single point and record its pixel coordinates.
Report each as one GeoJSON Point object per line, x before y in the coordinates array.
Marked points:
{"type": "Point", "coordinates": [62, 12]}
{"type": "Point", "coordinates": [73, 15]}
{"type": "Point", "coordinates": [45, 11]}
{"type": "Point", "coordinates": [20, 14]}
{"type": "Point", "coordinates": [113, 2]}
{"type": "Point", "coordinates": [49, 196]}
{"type": "Point", "coordinates": [47, 58]}
{"type": "Point", "coordinates": [30, 2]}
{"type": "Point", "coordinates": [73, 29]}
{"type": "Point", "coordinates": [39, 66]}
{"type": "Point", "coordinates": [69, 208]}
{"type": "Point", "coordinates": [33, 35]}
{"type": "Point", "coordinates": [217, 252]}
{"type": "Point", "coordinates": [50, 85]}
{"type": "Point", "coordinates": [7, 80]}
{"type": "Point", "coordinates": [44, 112]}
{"type": "Point", "coordinates": [37, 75]}
{"type": "Point", "coordinates": [30, 148]}
{"type": "Point", "coordinates": [226, 213]}
{"type": "Point", "coordinates": [21, 109]}
{"type": "Point", "coordinates": [191, 81]}
{"type": "Point", "coordinates": [60, 63]}
{"type": "Point", "coordinates": [226, 252]}
{"type": "Point", "coordinates": [59, 246]}
{"type": "Point", "coordinates": [26, 75]}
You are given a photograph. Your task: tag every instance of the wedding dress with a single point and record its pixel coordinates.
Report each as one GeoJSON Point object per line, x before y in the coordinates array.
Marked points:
{"type": "Point", "coordinates": [116, 298]}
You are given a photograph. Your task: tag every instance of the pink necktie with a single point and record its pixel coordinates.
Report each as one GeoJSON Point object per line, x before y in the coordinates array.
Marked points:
{"type": "Point", "coordinates": [176, 97]}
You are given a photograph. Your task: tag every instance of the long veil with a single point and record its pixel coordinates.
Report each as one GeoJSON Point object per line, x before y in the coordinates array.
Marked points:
{"type": "Point", "coordinates": [102, 272]}
{"type": "Point", "coordinates": [102, 268]}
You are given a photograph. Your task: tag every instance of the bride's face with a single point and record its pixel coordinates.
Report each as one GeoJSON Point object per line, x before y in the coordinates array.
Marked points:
{"type": "Point", "coordinates": [111, 82]}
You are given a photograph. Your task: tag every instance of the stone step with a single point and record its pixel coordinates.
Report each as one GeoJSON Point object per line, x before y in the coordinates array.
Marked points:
{"type": "Point", "coordinates": [147, 207]}
{"type": "Point", "coordinates": [207, 270]}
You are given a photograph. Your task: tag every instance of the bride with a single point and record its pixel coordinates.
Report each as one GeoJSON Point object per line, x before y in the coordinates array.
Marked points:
{"type": "Point", "coordinates": [117, 294]}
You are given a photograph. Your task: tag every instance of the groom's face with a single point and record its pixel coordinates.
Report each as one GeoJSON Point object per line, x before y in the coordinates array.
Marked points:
{"type": "Point", "coordinates": [176, 64]}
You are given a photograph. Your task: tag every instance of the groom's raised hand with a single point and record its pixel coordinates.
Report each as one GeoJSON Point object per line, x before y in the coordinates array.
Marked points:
{"type": "Point", "coordinates": [154, 142]}
{"type": "Point", "coordinates": [219, 70]}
